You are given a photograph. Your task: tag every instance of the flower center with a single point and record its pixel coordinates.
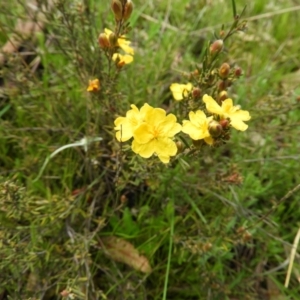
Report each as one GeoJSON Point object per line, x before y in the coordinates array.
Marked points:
{"type": "Point", "coordinates": [155, 132]}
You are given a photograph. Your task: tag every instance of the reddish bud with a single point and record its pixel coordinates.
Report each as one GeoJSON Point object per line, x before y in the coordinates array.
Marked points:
{"type": "Point", "coordinates": [224, 70]}
{"type": "Point", "coordinates": [103, 41]}
{"type": "Point", "coordinates": [238, 72]}
{"type": "Point", "coordinates": [116, 7]}
{"type": "Point", "coordinates": [123, 199]}
{"type": "Point", "coordinates": [216, 47]}
{"type": "Point", "coordinates": [224, 123]}
{"type": "Point", "coordinates": [196, 93]}
{"type": "Point", "coordinates": [127, 10]}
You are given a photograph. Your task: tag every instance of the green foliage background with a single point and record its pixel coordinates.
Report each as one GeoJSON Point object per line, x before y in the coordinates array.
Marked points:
{"type": "Point", "coordinates": [188, 219]}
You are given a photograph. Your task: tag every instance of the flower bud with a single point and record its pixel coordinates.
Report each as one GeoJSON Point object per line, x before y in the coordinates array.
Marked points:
{"type": "Point", "coordinates": [222, 85]}
{"type": "Point", "coordinates": [238, 72]}
{"type": "Point", "coordinates": [224, 123]}
{"type": "Point", "coordinates": [222, 33]}
{"type": "Point", "coordinates": [215, 129]}
{"type": "Point", "coordinates": [195, 73]}
{"type": "Point", "coordinates": [247, 236]}
{"type": "Point", "coordinates": [223, 95]}
{"type": "Point", "coordinates": [103, 41]}
{"type": "Point", "coordinates": [196, 93]}
{"type": "Point", "coordinates": [224, 70]}
{"type": "Point", "coordinates": [117, 9]}
{"type": "Point", "coordinates": [113, 40]}
{"type": "Point", "coordinates": [127, 10]}
{"type": "Point", "coordinates": [123, 199]}
{"type": "Point", "coordinates": [216, 47]}
{"type": "Point", "coordinates": [206, 247]}
{"type": "Point", "coordinates": [180, 147]}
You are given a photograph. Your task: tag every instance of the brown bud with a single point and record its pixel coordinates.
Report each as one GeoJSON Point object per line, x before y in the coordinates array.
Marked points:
{"type": "Point", "coordinates": [240, 230]}
{"type": "Point", "coordinates": [247, 236]}
{"type": "Point", "coordinates": [103, 41]}
{"type": "Point", "coordinates": [195, 73]}
{"type": "Point", "coordinates": [127, 10]}
{"type": "Point", "coordinates": [180, 147]}
{"type": "Point", "coordinates": [224, 123]}
{"type": "Point", "coordinates": [238, 72]}
{"type": "Point", "coordinates": [215, 129]}
{"type": "Point", "coordinates": [224, 70]}
{"type": "Point", "coordinates": [222, 85]}
{"type": "Point", "coordinates": [65, 293]}
{"type": "Point", "coordinates": [123, 199]}
{"type": "Point", "coordinates": [216, 47]}
{"type": "Point", "coordinates": [117, 9]}
{"type": "Point", "coordinates": [196, 93]}
{"type": "Point", "coordinates": [206, 247]}
{"type": "Point", "coordinates": [113, 40]}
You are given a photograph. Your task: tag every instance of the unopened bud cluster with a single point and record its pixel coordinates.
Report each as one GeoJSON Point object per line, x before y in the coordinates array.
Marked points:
{"type": "Point", "coordinates": [219, 129]}
{"type": "Point", "coordinates": [122, 9]}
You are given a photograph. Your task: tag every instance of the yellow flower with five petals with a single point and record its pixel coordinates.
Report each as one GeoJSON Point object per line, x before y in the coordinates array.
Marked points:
{"type": "Point", "coordinates": [198, 126]}
{"type": "Point", "coordinates": [125, 126]}
{"type": "Point", "coordinates": [227, 110]}
{"type": "Point", "coordinates": [154, 135]}
{"type": "Point", "coordinates": [94, 85]}
{"type": "Point", "coordinates": [180, 91]}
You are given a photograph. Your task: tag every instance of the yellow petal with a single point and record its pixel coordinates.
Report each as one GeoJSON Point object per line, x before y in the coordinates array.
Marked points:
{"type": "Point", "coordinates": [124, 45]}
{"type": "Point", "coordinates": [144, 150]}
{"type": "Point", "coordinates": [107, 31]}
{"type": "Point", "coordinates": [195, 133]}
{"type": "Point", "coordinates": [124, 128]}
{"type": "Point", "coordinates": [227, 106]}
{"type": "Point", "coordinates": [180, 91]}
{"type": "Point", "coordinates": [143, 134]}
{"type": "Point", "coordinates": [168, 127]}
{"type": "Point", "coordinates": [237, 120]}
{"type": "Point", "coordinates": [212, 106]}
{"type": "Point", "coordinates": [122, 59]}
{"type": "Point", "coordinates": [155, 116]}
{"type": "Point", "coordinates": [165, 147]}
{"type": "Point", "coordinates": [209, 140]}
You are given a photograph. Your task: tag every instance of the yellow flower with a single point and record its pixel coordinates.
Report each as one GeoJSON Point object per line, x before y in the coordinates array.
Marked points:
{"type": "Point", "coordinates": [197, 127]}
{"type": "Point", "coordinates": [121, 42]}
{"type": "Point", "coordinates": [125, 126]}
{"type": "Point", "coordinates": [154, 135]}
{"type": "Point", "coordinates": [122, 59]}
{"type": "Point", "coordinates": [94, 85]}
{"type": "Point", "coordinates": [180, 91]}
{"type": "Point", "coordinates": [227, 110]}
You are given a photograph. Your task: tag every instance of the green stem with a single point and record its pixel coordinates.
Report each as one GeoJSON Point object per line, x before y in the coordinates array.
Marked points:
{"type": "Point", "coordinates": [170, 253]}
